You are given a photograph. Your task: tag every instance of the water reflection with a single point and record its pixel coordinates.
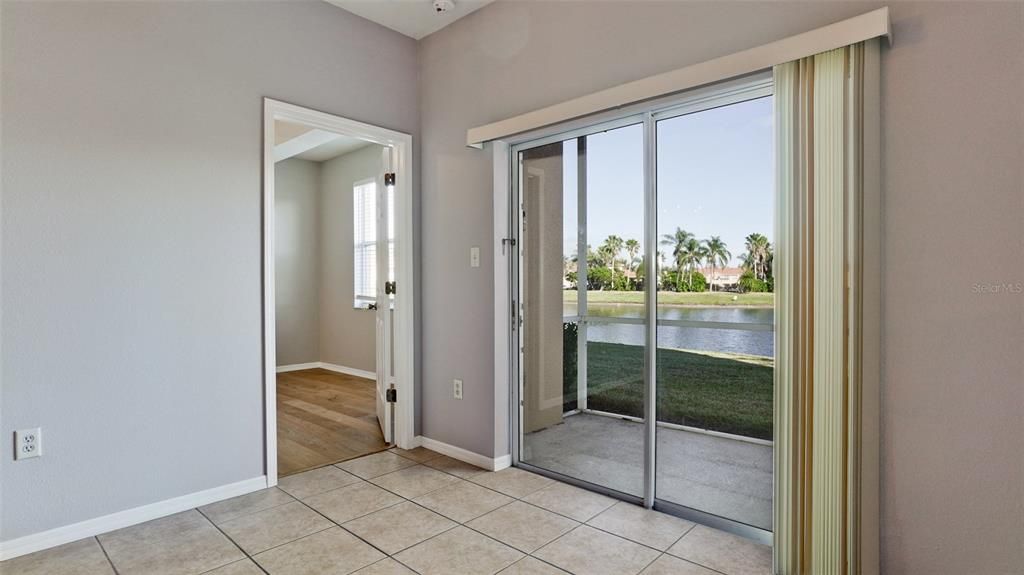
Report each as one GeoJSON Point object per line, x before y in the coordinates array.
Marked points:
{"type": "Point", "coordinates": [702, 339]}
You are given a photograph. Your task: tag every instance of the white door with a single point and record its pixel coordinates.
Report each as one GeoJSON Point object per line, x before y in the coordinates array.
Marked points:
{"type": "Point", "coordinates": [385, 282]}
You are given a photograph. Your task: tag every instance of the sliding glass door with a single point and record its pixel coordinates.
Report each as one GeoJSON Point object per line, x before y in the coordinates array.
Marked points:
{"type": "Point", "coordinates": [645, 331]}
{"type": "Point", "coordinates": [715, 192]}
{"type": "Point", "coordinates": [582, 216]}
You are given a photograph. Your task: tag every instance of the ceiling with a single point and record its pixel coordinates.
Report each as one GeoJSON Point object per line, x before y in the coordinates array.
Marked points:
{"type": "Point", "coordinates": [298, 141]}
{"type": "Point", "coordinates": [414, 18]}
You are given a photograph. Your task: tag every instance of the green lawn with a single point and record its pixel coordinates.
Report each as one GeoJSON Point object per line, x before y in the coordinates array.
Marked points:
{"type": "Point", "coordinates": [722, 392]}
{"type": "Point", "coordinates": [677, 298]}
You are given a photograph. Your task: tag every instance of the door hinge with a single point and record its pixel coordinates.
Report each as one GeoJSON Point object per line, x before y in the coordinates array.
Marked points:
{"type": "Point", "coordinates": [507, 241]}
{"type": "Point", "coordinates": [389, 179]}
{"type": "Point", "coordinates": [390, 288]}
{"type": "Point", "coordinates": [392, 394]}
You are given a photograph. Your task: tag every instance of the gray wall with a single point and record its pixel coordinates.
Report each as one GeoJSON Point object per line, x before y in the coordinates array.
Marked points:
{"type": "Point", "coordinates": [131, 233]}
{"type": "Point", "coordinates": [347, 335]}
{"type": "Point", "coordinates": [297, 260]}
{"type": "Point", "coordinates": [953, 466]}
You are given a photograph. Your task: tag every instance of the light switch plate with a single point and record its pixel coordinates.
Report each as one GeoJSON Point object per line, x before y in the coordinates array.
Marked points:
{"type": "Point", "coordinates": [474, 257]}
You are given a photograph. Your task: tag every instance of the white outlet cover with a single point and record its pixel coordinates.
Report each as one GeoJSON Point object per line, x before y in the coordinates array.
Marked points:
{"type": "Point", "coordinates": [457, 388]}
{"type": "Point", "coordinates": [474, 257]}
{"type": "Point", "coordinates": [28, 443]}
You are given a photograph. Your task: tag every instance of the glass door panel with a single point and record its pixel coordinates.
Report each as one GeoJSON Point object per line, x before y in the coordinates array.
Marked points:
{"type": "Point", "coordinates": [715, 202]}
{"type": "Point", "coordinates": [582, 384]}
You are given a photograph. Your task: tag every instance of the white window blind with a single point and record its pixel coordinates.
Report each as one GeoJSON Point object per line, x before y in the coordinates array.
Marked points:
{"type": "Point", "coordinates": [364, 202]}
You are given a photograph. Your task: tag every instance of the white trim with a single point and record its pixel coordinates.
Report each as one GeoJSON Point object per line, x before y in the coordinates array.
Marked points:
{"type": "Point", "coordinates": [466, 456]}
{"type": "Point", "coordinates": [502, 297]}
{"type": "Point", "coordinates": [99, 525]}
{"type": "Point", "coordinates": [405, 333]}
{"type": "Point", "coordinates": [298, 366]}
{"type": "Point", "coordinates": [852, 30]}
{"type": "Point", "coordinates": [347, 370]}
{"type": "Point", "coordinates": [329, 367]}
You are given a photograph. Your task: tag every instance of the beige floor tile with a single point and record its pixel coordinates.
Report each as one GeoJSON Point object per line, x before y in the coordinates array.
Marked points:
{"type": "Point", "coordinates": [570, 501]}
{"type": "Point", "coordinates": [512, 481]}
{"type": "Point", "coordinates": [454, 467]}
{"type": "Point", "coordinates": [352, 501]}
{"type": "Point", "coordinates": [587, 550]}
{"type": "Point", "coordinates": [371, 466]}
{"type": "Point", "coordinates": [463, 501]}
{"type": "Point", "coordinates": [635, 523]}
{"type": "Point", "coordinates": [302, 485]}
{"type": "Point", "coordinates": [669, 565]}
{"type": "Point", "coordinates": [386, 567]}
{"type": "Point", "coordinates": [333, 551]}
{"type": "Point", "coordinates": [243, 567]}
{"type": "Point", "coordinates": [184, 543]}
{"type": "Point", "coordinates": [412, 482]}
{"type": "Point", "coordinates": [260, 531]}
{"type": "Point", "coordinates": [235, 507]}
{"type": "Point", "coordinates": [459, 551]}
{"type": "Point", "coordinates": [82, 557]}
{"type": "Point", "coordinates": [419, 454]}
{"type": "Point", "coordinates": [532, 566]}
{"type": "Point", "coordinates": [730, 554]}
{"type": "Point", "coordinates": [523, 526]}
{"type": "Point", "coordinates": [399, 527]}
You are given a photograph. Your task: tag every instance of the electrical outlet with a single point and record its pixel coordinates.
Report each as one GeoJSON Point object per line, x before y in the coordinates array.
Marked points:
{"type": "Point", "coordinates": [474, 257]}
{"type": "Point", "coordinates": [457, 388]}
{"type": "Point", "coordinates": [28, 443]}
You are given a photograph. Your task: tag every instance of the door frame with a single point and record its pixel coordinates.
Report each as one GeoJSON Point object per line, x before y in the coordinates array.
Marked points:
{"type": "Point", "coordinates": [405, 326]}
{"type": "Point", "coordinates": [508, 336]}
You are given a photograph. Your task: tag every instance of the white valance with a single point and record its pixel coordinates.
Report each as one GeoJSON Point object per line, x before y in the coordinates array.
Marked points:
{"type": "Point", "coordinates": [850, 31]}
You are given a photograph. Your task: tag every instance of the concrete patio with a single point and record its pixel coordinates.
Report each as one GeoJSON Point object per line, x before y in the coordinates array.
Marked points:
{"type": "Point", "coordinates": [718, 475]}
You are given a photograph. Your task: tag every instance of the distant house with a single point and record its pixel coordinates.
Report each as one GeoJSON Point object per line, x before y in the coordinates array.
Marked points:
{"type": "Point", "coordinates": [725, 278]}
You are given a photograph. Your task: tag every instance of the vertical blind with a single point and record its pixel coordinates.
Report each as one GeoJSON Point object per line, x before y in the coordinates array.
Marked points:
{"type": "Point", "coordinates": [819, 119]}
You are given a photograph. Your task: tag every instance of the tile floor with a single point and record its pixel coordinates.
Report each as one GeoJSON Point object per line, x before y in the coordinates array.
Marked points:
{"type": "Point", "coordinates": [401, 512]}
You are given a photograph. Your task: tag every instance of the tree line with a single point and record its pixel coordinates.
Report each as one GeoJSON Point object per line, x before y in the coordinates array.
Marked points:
{"type": "Point", "coordinates": [617, 264]}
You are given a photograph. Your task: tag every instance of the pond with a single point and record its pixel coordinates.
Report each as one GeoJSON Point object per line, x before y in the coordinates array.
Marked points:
{"type": "Point", "coordinates": [702, 339]}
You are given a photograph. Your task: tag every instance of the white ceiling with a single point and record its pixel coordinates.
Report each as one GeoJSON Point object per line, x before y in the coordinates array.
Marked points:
{"type": "Point", "coordinates": [298, 141]}
{"type": "Point", "coordinates": [414, 18]}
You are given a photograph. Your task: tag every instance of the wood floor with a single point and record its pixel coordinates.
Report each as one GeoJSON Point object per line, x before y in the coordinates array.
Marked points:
{"type": "Point", "coordinates": [324, 417]}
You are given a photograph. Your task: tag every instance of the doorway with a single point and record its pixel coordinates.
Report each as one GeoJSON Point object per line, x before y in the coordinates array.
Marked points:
{"type": "Point", "coordinates": [644, 359]}
{"type": "Point", "coordinates": [338, 289]}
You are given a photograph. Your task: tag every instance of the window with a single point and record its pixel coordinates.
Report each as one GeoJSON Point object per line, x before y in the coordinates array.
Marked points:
{"type": "Point", "coordinates": [364, 203]}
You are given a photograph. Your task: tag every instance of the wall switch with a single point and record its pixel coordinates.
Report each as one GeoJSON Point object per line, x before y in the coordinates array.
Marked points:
{"type": "Point", "coordinates": [457, 388]}
{"type": "Point", "coordinates": [474, 257]}
{"type": "Point", "coordinates": [28, 443]}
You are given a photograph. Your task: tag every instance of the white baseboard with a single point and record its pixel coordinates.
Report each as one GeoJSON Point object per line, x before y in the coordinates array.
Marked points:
{"type": "Point", "coordinates": [348, 370]}
{"type": "Point", "coordinates": [329, 367]}
{"type": "Point", "coordinates": [464, 455]}
{"type": "Point", "coordinates": [128, 517]}
{"type": "Point", "coordinates": [298, 366]}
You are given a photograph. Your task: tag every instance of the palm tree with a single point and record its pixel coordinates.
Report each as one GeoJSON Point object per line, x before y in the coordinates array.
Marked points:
{"type": "Point", "coordinates": [613, 245]}
{"type": "Point", "coordinates": [759, 251]}
{"type": "Point", "coordinates": [632, 249]}
{"type": "Point", "coordinates": [715, 253]}
{"type": "Point", "coordinates": [692, 254]}
{"type": "Point", "coordinates": [678, 242]}
{"type": "Point", "coordinates": [606, 256]}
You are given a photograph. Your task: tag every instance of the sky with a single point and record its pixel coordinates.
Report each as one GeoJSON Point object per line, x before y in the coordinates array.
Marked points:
{"type": "Point", "coordinates": [715, 177]}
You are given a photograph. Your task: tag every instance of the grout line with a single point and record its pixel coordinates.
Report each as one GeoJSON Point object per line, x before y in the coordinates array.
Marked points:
{"type": "Point", "coordinates": [107, 555]}
{"type": "Point", "coordinates": [339, 525]}
{"type": "Point", "coordinates": [233, 542]}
